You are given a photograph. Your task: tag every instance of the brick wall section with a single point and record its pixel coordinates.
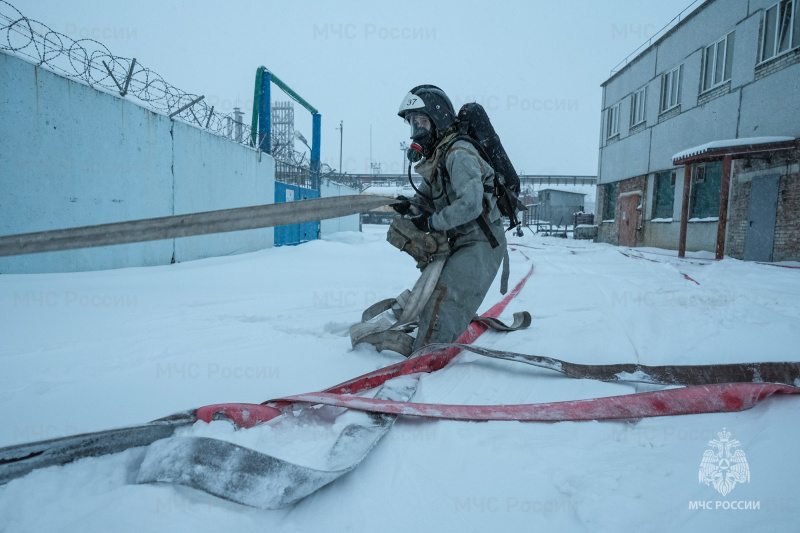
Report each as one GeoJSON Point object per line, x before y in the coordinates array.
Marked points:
{"type": "Point", "coordinates": [787, 223]}
{"type": "Point", "coordinates": [637, 128]}
{"type": "Point", "coordinates": [666, 115]}
{"type": "Point", "coordinates": [737, 214]}
{"type": "Point", "coordinates": [775, 65]}
{"type": "Point", "coordinates": [608, 232]}
{"type": "Point", "coordinates": [714, 93]}
{"type": "Point", "coordinates": [633, 184]}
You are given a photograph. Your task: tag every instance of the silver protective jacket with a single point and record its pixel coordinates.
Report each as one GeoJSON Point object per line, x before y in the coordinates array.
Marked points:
{"type": "Point", "coordinates": [462, 197]}
{"type": "Point", "coordinates": [472, 266]}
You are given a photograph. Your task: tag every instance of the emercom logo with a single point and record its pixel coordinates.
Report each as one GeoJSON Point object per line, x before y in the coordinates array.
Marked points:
{"type": "Point", "coordinates": [723, 466]}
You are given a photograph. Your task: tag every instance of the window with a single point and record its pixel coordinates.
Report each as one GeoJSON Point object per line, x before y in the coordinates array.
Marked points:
{"type": "Point", "coordinates": [612, 121]}
{"type": "Point", "coordinates": [664, 194]}
{"type": "Point", "coordinates": [717, 62]}
{"type": "Point", "coordinates": [706, 189]}
{"type": "Point", "coordinates": [637, 106]}
{"type": "Point", "coordinates": [781, 29]}
{"type": "Point", "coordinates": [671, 89]}
{"type": "Point", "coordinates": [610, 201]}
{"type": "Point", "coordinates": [699, 173]}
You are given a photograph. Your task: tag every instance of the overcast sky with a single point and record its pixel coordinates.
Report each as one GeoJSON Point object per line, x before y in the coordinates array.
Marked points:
{"type": "Point", "coordinates": [535, 65]}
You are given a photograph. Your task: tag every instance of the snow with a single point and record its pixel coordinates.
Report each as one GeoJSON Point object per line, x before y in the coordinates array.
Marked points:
{"type": "Point", "coordinates": [661, 220]}
{"type": "Point", "coordinates": [706, 219]}
{"type": "Point", "coordinates": [634, 376]}
{"type": "Point", "coordinates": [729, 143]}
{"type": "Point", "coordinates": [572, 190]}
{"type": "Point", "coordinates": [89, 351]}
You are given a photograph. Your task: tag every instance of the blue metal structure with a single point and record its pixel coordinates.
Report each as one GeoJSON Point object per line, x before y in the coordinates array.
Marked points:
{"type": "Point", "coordinates": [262, 122]}
{"type": "Point", "coordinates": [265, 114]}
{"type": "Point", "coordinates": [316, 129]}
{"type": "Point", "coordinates": [296, 233]}
{"type": "Point", "coordinates": [261, 136]}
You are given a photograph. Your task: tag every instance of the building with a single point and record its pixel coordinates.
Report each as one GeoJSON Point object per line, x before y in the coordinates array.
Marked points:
{"type": "Point", "coordinates": [558, 205]}
{"type": "Point", "coordinates": [708, 113]}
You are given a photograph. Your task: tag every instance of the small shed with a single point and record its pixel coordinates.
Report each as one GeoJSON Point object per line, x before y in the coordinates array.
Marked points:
{"type": "Point", "coordinates": [558, 205]}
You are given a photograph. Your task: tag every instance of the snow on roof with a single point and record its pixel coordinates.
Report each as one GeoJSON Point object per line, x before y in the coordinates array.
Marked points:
{"type": "Point", "coordinates": [564, 189]}
{"type": "Point", "coordinates": [730, 143]}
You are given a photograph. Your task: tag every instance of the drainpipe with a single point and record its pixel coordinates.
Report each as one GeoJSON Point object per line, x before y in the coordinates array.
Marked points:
{"type": "Point", "coordinates": [723, 205]}
{"type": "Point", "coordinates": [687, 180]}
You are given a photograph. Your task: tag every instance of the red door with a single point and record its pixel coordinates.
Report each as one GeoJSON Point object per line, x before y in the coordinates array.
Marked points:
{"type": "Point", "coordinates": [629, 220]}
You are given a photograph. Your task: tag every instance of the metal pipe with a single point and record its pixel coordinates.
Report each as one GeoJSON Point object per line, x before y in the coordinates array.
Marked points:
{"type": "Point", "coordinates": [265, 113]}
{"type": "Point", "coordinates": [316, 136]}
{"type": "Point", "coordinates": [256, 106]}
{"type": "Point", "coordinates": [128, 79]}
{"type": "Point", "coordinates": [187, 106]}
{"type": "Point", "coordinates": [296, 97]}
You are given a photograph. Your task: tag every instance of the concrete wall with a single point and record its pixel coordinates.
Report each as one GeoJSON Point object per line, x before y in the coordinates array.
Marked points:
{"type": "Point", "coordinates": [74, 156]}
{"type": "Point", "coordinates": [212, 173]}
{"type": "Point", "coordinates": [665, 235]}
{"type": "Point", "coordinates": [334, 225]}
{"type": "Point", "coordinates": [771, 106]}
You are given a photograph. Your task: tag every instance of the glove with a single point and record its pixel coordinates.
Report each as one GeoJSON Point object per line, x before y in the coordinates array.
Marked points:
{"type": "Point", "coordinates": [422, 223]}
{"type": "Point", "coordinates": [403, 206]}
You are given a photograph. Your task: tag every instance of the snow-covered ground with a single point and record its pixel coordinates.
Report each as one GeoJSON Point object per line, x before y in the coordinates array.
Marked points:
{"type": "Point", "coordinates": [90, 351]}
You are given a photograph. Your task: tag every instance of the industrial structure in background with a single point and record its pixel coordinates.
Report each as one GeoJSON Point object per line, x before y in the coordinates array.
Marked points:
{"type": "Point", "coordinates": [698, 144]}
{"type": "Point", "coordinates": [291, 167]}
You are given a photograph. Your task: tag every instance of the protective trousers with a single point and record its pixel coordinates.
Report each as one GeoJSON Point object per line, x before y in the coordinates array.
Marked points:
{"type": "Point", "coordinates": [463, 284]}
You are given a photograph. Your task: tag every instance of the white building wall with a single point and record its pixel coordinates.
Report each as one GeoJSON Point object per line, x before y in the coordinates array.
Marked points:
{"type": "Point", "coordinates": [630, 156]}
{"type": "Point", "coordinates": [708, 24]}
{"type": "Point", "coordinates": [764, 103]}
{"type": "Point", "coordinates": [771, 106]}
{"type": "Point", "coordinates": [690, 85]}
{"type": "Point", "coordinates": [638, 73]}
{"type": "Point", "coordinates": [714, 120]}
{"type": "Point", "coordinates": [745, 51]}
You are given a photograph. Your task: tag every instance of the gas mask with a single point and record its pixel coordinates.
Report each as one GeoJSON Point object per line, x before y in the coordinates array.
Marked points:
{"type": "Point", "coordinates": [422, 136]}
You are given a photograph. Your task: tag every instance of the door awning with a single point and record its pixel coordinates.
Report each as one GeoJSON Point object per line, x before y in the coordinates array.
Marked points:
{"type": "Point", "coordinates": [717, 150]}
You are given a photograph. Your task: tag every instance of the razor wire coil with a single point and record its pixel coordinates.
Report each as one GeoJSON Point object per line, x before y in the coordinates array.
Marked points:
{"type": "Point", "coordinates": [92, 63]}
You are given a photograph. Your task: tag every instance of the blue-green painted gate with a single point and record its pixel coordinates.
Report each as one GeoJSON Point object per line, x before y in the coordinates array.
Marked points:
{"type": "Point", "coordinates": [296, 233]}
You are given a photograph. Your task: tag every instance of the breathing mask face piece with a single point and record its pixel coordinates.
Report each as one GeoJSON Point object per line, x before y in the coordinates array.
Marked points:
{"type": "Point", "coordinates": [422, 135]}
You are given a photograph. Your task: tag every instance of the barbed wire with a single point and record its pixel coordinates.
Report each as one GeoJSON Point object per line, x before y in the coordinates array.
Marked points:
{"type": "Point", "coordinates": [91, 62]}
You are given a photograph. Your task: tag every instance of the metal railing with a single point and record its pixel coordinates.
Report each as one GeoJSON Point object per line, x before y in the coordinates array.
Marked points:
{"type": "Point", "coordinates": [660, 33]}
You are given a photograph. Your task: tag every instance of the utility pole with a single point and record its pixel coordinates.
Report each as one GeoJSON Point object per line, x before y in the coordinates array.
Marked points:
{"type": "Point", "coordinates": [341, 134]}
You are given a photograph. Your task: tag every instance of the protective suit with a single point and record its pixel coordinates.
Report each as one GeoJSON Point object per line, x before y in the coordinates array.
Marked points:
{"type": "Point", "coordinates": [452, 217]}
{"type": "Point", "coordinates": [457, 201]}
